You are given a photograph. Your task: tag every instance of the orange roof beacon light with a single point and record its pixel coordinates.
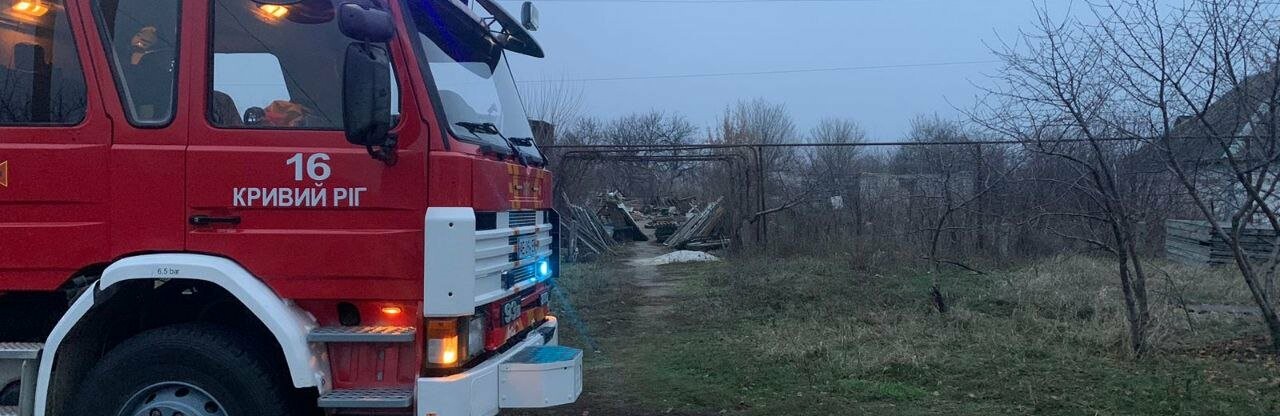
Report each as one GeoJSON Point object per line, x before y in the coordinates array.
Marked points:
{"type": "Point", "coordinates": [274, 11]}
{"type": "Point", "coordinates": [30, 7]}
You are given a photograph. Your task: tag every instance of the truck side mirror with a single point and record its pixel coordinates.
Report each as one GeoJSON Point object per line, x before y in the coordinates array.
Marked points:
{"type": "Point", "coordinates": [366, 99]}
{"type": "Point", "coordinates": [529, 16]}
{"type": "Point", "coordinates": [361, 21]}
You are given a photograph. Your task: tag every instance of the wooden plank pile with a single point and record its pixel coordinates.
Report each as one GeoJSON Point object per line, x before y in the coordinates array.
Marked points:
{"type": "Point", "coordinates": [584, 235]}
{"type": "Point", "coordinates": [663, 229]}
{"type": "Point", "coordinates": [699, 227]}
{"type": "Point", "coordinates": [618, 218]}
{"type": "Point", "coordinates": [1193, 242]}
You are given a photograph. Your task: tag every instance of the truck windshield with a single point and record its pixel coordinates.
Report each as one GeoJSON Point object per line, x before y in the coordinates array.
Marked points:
{"type": "Point", "coordinates": [473, 79]}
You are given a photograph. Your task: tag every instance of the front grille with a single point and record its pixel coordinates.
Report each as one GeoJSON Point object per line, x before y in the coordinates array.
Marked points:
{"type": "Point", "coordinates": [523, 219]}
{"type": "Point", "coordinates": [515, 240]}
{"type": "Point", "coordinates": [517, 275]}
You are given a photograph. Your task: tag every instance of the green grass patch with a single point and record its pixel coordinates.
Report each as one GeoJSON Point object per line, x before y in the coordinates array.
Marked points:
{"type": "Point", "coordinates": [810, 336]}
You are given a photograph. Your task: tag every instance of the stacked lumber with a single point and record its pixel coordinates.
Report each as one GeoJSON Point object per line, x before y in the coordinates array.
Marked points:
{"type": "Point", "coordinates": [621, 222]}
{"type": "Point", "coordinates": [583, 234]}
{"type": "Point", "coordinates": [1194, 242]}
{"type": "Point", "coordinates": [699, 227]}
{"type": "Point", "coordinates": [663, 229]}
{"type": "Point", "coordinates": [619, 218]}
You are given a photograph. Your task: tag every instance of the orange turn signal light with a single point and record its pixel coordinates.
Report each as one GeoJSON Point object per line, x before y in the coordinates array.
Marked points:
{"type": "Point", "coordinates": [442, 342]}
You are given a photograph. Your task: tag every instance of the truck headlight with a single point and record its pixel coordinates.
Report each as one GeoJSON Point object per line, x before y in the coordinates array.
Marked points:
{"type": "Point", "coordinates": [475, 336]}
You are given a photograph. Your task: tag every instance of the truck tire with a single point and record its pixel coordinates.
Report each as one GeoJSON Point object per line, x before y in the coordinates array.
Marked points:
{"type": "Point", "coordinates": [187, 369]}
{"type": "Point", "coordinates": [9, 394]}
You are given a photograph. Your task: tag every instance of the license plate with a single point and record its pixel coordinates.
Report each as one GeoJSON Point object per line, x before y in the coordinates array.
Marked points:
{"type": "Point", "coordinates": [511, 311]}
{"type": "Point", "coordinates": [526, 246]}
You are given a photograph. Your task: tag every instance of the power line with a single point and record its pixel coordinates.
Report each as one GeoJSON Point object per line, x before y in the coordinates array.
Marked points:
{"type": "Point", "coordinates": [667, 147]}
{"type": "Point", "coordinates": [699, 1]}
{"type": "Point", "coordinates": [774, 72]}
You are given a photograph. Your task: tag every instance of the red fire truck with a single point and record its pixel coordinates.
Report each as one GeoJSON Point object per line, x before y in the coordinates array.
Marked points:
{"type": "Point", "coordinates": [272, 207]}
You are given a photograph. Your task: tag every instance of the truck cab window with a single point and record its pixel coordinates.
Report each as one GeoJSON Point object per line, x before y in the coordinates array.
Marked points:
{"type": "Point", "coordinates": [142, 38]}
{"type": "Point", "coordinates": [265, 84]}
{"type": "Point", "coordinates": [277, 67]}
{"type": "Point", "coordinates": [41, 81]}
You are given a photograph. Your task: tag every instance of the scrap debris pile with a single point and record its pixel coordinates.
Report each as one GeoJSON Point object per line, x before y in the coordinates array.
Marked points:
{"type": "Point", "coordinates": [598, 228]}
{"type": "Point", "coordinates": [584, 235]}
{"type": "Point", "coordinates": [701, 229]}
{"type": "Point", "coordinates": [1195, 243]}
{"type": "Point", "coordinates": [619, 218]}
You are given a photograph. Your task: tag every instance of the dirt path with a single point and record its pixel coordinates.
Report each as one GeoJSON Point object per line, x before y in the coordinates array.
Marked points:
{"type": "Point", "coordinates": [642, 299]}
{"type": "Point", "coordinates": [655, 289]}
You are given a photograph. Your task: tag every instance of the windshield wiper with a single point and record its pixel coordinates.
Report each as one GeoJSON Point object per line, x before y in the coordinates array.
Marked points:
{"type": "Point", "coordinates": [492, 129]}
{"type": "Point", "coordinates": [529, 142]}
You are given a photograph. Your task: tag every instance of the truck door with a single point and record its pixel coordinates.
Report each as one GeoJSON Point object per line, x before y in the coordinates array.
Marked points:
{"type": "Point", "coordinates": [273, 183]}
{"type": "Point", "coordinates": [139, 41]}
{"type": "Point", "coordinates": [53, 148]}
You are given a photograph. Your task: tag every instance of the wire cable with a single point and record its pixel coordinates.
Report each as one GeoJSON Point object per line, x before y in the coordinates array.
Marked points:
{"type": "Point", "coordinates": [700, 1]}
{"type": "Point", "coordinates": [773, 72]}
{"type": "Point", "coordinates": [662, 147]}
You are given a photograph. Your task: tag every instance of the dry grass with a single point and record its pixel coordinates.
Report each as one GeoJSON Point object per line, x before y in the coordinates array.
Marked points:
{"type": "Point", "coordinates": [817, 336]}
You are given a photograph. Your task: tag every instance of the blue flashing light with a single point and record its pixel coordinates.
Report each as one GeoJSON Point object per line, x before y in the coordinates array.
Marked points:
{"type": "Point", "coordinates": [544, 269]}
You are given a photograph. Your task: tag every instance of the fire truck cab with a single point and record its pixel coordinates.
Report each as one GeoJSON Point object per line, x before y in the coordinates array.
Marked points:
{"type": "Point", "coordinates": [273, 207]}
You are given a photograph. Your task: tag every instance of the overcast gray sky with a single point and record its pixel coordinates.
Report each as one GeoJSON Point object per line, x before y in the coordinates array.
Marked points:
{"type": "Point", "coordinates": [931, 53]}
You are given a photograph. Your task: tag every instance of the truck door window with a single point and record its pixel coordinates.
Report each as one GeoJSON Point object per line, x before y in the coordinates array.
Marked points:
{"type": "Point", "coordinates": [265, 84]}
{"type": "Point", "coordinates": [277, 67]}
{"type": "Point", "coordinates": [142, 39]}
{"type": "Point", "coordinates": [41, 81]}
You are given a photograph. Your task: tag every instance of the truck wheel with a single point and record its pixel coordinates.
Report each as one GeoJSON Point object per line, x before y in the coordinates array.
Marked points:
{"type": "Point", "coordinates": [184, 370]}
{"type": "Point", "coordinates": [9, 394]}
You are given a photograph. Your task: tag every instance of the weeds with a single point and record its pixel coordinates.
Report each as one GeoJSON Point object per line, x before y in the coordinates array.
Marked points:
{"type": "Point", "coordinates": [811, 335]}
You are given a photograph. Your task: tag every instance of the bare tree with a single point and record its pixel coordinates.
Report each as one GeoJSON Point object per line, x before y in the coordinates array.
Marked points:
{"type": "Point", "coordinates": [576, 178]}
{"type": "Point", "coordinates": [651, 178]}
{"type": "Point", "coordinates": [836, 131]}
{"type": "Point", "coordinates": [947, 172]}
{"type": "Point", "coordinates": [582, 175]}
{"type": "Point", "coordinates": [1053, 87]}
{"type": "Point", "coordinates": [759, 122]}
{"type": "Point", "coordinates": [1203, 78]}
{"type": "Point", "coordinates": [558, 102]}
{"type": "Point", "coordinates": [834, 170]}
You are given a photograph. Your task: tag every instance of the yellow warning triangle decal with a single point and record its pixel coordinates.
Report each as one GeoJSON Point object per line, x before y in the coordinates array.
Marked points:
{"type": "Point", "coordinates": [4, 174]}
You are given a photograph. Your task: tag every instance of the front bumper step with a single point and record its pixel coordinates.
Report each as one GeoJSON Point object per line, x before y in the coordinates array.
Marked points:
{"type": "Point", "coordinates": [28, 354]}
{"type": "Point", "coordinates": [367, 399]}
{"type": "Point", "coordinates": [540, 377]}
{"type": "Point", "coordinates": [20, 350]}
{"type": "Point", "coordinates": [362, 334]}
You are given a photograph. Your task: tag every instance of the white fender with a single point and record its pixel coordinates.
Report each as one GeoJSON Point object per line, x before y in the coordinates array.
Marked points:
{"type": "Point", "coordinates": [308, 364]}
